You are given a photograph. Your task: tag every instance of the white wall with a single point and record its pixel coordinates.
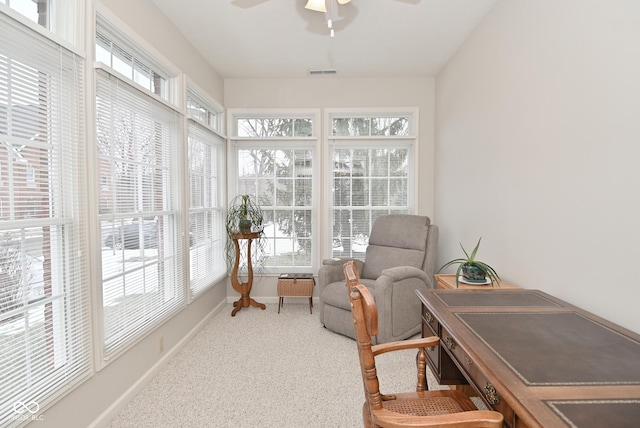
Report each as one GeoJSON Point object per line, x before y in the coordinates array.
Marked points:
{"type": "Point", "coordinates": [537, 148]}
{"type": "Point", "coordinates": [329, 92]}
{"type": "Point", "coordinates": [98, 399]}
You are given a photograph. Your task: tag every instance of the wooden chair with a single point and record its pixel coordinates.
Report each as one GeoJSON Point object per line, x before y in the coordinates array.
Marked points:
{"type": "Point", "coordinates": [445, 408]}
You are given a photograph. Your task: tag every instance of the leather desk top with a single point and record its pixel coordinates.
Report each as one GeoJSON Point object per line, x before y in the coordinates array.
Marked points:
{"type": "Point", "coordinates": [558, 348]}
{"type": "Point", "coordinates": [545, 356]}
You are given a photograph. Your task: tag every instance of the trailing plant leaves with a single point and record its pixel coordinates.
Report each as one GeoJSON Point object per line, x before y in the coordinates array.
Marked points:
{"type": "Point", "coordinates": [245, 207]}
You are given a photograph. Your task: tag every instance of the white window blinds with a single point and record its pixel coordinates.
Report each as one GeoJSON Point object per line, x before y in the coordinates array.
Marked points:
{"type": "Point", "coordinates": [367, 182]}
{"type": "Point", "coordinates": [45, 346]}
{"type": "Point", "coordinates": [138, 139]}
{"type": "Point", "coordinates": [281, 180]}
{"type": "Point", "coordinates": [372, 158]}
{"type": "Point", "coordinates": [206, 214]}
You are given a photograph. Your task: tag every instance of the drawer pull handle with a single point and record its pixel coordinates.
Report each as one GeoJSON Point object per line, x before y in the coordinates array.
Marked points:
{"type": "Point", "coordinates": [492, 395]}
{"type": "Point", "coordinates": [428, 316]}
{"type": "Point", "coordinates": [450, 343]}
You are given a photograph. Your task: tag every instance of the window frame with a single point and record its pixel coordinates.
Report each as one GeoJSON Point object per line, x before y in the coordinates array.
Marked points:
{"type": "Point", "coordinates": [60, 72]}
{"type": "Point", "coordinates": [104, 21]}
{"type": "Point", "coordinates": [312, 143]}
{"type": "Point", "coordinates": [219, 142]}
{"type": "Point", "coordinates": [66, 22]}
{"type": "Point", "coordinates": [332, 142]}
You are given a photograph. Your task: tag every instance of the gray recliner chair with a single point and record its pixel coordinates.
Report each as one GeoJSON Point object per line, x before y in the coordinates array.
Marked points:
{"type": "Point", "coordinates": [400, 258]}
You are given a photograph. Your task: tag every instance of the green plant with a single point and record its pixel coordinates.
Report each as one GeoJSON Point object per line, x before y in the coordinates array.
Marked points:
{"type": "Point", "coordinates": [244, 215]}
{"type": "Point", "coordinates": [470, 263]}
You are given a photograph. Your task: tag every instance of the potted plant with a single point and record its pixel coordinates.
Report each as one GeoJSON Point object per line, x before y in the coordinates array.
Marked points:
{"type": "Point", "coordinates": [473, 271]}
{"type": "Point", "coordinates": [244, 215]}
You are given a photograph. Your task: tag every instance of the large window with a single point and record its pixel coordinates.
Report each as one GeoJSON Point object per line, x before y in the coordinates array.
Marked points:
{"type": "Point", "coordinates": [275, 164]}
{"type": "Point", "coordinates": [281, 179]}
{"type": "Point", "coordinates": [139, 139]}
{"type": "Point", "coordinates": [369, 163]}
{"type": "Point", "coordinates": [371, 174]}
{"type": "Point", "coordinates": [206, 212]}
{"type": "Point", "coordinates": [44, 315]}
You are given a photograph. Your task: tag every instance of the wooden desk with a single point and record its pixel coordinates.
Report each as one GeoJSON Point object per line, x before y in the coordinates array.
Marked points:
{"type": "Point", "coordinates": [448, 281]}
{"type": "Point", "coordinates": [539, 361]}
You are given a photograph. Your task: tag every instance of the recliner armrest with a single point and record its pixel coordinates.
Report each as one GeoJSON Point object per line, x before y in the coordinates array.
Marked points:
{"type": "Point", "coordinates": [331, 270]}
{"type": "Point", "coordinates": [335, 261]}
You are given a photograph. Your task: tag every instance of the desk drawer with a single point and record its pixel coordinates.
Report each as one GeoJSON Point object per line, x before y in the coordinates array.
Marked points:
{"type": "Point", "coordinates": [433, 352]}
{"type": "Point", "coordinates": [443, 368]}
{"type": "Point", "coordinates": [430, 321]}
{"type": "Point", "coordinates": [478, 379]}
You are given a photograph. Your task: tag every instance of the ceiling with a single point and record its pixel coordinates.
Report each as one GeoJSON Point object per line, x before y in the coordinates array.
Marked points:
{"type": "Point", "coordinates": [282, 39]}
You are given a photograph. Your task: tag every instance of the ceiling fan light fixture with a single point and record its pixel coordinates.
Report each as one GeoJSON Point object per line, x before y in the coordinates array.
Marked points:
{"type": "Point", "coordinates": [330, 9]}
{"type": "Point", "coordinates": [317, 5]}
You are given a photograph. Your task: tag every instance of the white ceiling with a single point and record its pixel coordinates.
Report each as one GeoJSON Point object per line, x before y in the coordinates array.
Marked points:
{"type": "Point", "coordinates": [282, 39]}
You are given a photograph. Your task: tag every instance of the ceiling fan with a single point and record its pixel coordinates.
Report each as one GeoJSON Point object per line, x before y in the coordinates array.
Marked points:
{"type": "Point", "coordinates": [330, 9]}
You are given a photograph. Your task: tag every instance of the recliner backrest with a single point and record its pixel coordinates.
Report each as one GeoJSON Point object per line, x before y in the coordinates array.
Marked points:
{"type": "Point", "coordinates": [396, 240]}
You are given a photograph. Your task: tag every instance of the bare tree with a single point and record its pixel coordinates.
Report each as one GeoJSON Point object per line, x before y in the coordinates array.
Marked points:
{"type": "Point", "coordinates": [15, 273]}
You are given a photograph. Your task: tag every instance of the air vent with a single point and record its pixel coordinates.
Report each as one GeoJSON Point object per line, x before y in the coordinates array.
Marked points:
{"type": "Point", "coordinates": [322, 72]}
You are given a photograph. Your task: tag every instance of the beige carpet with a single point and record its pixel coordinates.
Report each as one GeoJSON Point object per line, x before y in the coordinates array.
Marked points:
{"type": "Point", "coordinates": [264, 369]}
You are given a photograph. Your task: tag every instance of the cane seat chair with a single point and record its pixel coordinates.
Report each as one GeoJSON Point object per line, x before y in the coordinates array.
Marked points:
{"type": "Point", "coordinates": [423, 408]}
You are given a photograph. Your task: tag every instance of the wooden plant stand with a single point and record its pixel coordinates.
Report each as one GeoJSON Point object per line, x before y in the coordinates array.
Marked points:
{"type": "Point", "coordinates": [244, 288]}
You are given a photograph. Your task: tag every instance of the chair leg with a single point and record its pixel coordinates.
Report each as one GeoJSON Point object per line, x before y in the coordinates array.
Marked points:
{"type": "Point", "coordinates": [311, 305]}
{"type": "Point", "coordinates": [421, 365]}
{"type": "Point", "coordinates": [366, 416]}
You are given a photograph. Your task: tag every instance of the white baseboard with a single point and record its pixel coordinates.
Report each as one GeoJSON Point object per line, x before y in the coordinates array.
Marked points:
{"type": "Point", "coordinates": [112, 411]}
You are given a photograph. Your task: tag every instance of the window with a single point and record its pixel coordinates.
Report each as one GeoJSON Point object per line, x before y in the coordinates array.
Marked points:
{"type": "Point", "coordinates": [203, 112]}
{"type": "Point", "coordinates": [281, 180]}
{"type": "Point", "coordinates": [45, 346]}
{"type": "Point", "coordinates": [277, 168]}
{"type": "Point", "coordinates": [56, 16]}
{"type": "Point", "coordinates": [36, 10]}
{"type": "Point", "coordinates": [206, 213]}
{"type": "Point", "coordinates": [382, 126]}
{"type": "Point", "coordinates": [371, 158]}
{"type": "Point", "coordinates": [139, 140]}
{"type": "Point", "coordinates": [125, 59]}
{"type": "Point", "coordinates": [369, 162]}
{"type": "Point", "coordinates": [273, 127]}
